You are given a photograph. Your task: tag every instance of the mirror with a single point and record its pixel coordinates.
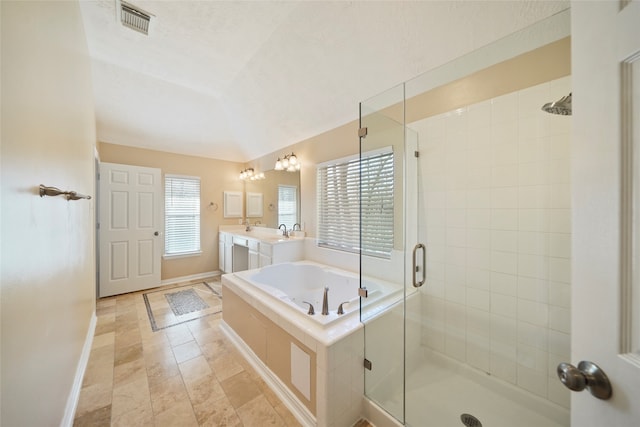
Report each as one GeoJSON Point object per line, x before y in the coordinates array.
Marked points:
{"type": "Point", "coordinates": [277, 185]}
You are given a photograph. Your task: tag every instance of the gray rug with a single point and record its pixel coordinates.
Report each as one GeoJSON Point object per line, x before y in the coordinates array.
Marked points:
{"type": "Point", "coordinates": [185, 302]}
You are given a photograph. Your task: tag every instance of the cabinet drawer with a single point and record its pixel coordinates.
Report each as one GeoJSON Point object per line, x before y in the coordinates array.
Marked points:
{"type": "Point", "coordinates": [253, 245]}
{"type": "Point", "coordinates": [240, 241]}
{"type": "Point", "coordinates": [266, 249]}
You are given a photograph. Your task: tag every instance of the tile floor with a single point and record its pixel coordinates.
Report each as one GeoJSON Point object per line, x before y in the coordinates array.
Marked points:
{"type": "Point", "coordinates": [184, 375]}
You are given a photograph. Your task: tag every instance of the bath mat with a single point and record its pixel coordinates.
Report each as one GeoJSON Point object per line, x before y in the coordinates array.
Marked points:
{"type": "Point", "coordinates": [184, 302]}
{"type": "Point", "coordinates": [174, 305]}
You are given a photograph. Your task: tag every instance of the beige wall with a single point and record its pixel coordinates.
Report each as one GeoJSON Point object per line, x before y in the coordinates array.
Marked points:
{"type": "Point", "coordinates": [48, 276]}
{"type": "Point", "coordinates": [540, 65]}
{"type": "Point", "coordinates": [216, 176]}
{"type": "Point", "coordinates": [334, 144]}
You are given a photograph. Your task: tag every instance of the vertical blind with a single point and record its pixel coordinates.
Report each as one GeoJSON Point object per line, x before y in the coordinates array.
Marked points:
{"type": "Point", "coordinates": [352, 191]}
{"type": "Point", "coordinates": [182, 215]}
{"type": "Point", "coordinates": [287, 205]}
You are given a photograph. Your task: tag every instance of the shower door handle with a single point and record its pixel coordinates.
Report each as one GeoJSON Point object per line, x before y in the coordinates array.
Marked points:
{"type": "Point", "coordinates": [416, 268]}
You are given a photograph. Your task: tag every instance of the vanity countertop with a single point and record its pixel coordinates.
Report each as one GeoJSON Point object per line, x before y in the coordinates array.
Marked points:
{"type": "Point", "coordinates": [266, 235]}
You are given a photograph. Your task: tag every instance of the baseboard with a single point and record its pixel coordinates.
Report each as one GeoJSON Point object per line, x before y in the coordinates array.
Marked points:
{"type": "Point", "coordinates": [297, 408]}
{"type": "Point", "coordinates": [183, 279]}
{"type": "Point", "coordinates": [74, 395]}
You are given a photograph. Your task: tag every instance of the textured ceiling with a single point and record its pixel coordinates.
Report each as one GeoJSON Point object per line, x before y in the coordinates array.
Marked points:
{"type": "Point", "coordinates": [237, 80]}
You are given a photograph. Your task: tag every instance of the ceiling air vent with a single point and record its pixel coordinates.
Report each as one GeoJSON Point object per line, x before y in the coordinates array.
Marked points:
{"type": "Point", "coordinates": [134, 18]}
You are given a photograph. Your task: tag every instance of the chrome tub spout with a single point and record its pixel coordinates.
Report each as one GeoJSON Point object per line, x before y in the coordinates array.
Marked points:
{"type": "Point", "coordinates": [325, 301]}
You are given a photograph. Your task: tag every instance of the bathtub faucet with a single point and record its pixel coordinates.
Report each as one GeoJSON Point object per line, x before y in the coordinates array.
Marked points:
{"type": "Point", "coordinates": [285, 233]}
{"type": "Point", "coordinates": [325, 301]}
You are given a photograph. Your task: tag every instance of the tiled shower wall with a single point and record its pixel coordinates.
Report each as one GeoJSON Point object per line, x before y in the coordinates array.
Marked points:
{"type": "Point", "coordinates": [497, 226]}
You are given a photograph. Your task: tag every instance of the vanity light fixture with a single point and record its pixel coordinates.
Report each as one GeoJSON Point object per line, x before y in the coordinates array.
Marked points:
{"type": "Point", "coordinates": [251, 174]}
{"type": "Point", "coordinates": [289, 163]}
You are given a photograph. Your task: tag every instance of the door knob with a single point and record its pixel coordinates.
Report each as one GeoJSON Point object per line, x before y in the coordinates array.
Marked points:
{"type": "Point", "coordinates": [587, 375]}
{"type": "Point", "coordinates": [155, 233]}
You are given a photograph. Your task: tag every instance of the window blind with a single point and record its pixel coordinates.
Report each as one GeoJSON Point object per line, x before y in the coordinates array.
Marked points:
{"type": "Point", "coordinates": [352, 190]}
{"type": "Point", "coordinates": [287, 205]}
{"type": "Point", "coordinates": [182, 215]}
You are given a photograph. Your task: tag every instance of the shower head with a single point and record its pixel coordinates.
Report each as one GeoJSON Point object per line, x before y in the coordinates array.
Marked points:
{"type": "Point", "coordinates": [562, 106]}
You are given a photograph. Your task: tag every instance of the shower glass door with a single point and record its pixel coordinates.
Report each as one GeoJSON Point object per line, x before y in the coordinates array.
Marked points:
{"type": "Point", "coordinates": [482, 182]}
{"type": "Point", "coordinates": [385, 267]}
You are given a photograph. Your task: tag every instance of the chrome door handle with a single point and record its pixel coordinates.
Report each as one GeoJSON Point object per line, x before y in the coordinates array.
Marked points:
{"type": "Point", "coordinates": [417, 284]}
{"type": "Point", "coordinates": [587, 375]}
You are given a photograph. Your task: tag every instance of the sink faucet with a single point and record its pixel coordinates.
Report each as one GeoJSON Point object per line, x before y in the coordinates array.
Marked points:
{"type": "Point", "coordinates": [285, 233]}
{"type": "Point", "coordinates": [294, 227]}
{"type": "Point", "coordinates": [325, 301]}
{"type": "Point", "coordinates": [248, 226]}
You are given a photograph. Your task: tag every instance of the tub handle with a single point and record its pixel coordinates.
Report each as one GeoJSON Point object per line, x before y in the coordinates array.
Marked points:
{"type": "Point", "coordinates": [311, 311]}
{"type": "Point", "coordinates": [340, 309]}
{"type": "Point", "coordinates": [416, 268]}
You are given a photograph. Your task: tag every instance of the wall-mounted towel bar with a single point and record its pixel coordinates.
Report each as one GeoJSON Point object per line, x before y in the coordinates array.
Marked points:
{"type": "Point", "coordinates": [53, 191]}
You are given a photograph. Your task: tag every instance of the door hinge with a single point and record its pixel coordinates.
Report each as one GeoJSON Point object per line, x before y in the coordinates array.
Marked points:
{"type": "Point", "coordinates": [416, 153]}
{"type": "Point", "coordinates": [367, 364]}
{"type": "Point", "coordinates": [362, 132]}
{"type": "Point", "coordinates": [363, 292]}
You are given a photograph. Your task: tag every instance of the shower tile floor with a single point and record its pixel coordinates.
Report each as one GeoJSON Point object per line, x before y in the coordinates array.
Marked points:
{"type": "Point", "coordinates": [185, 375]}
{"type": "Point", "coordinates": [437, 396]}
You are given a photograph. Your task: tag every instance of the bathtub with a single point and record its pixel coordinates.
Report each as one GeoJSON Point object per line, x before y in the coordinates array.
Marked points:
{"type": "Point", "coordinates": [293, 283]}
{"type": "Point", "coordinates": [263, 315]}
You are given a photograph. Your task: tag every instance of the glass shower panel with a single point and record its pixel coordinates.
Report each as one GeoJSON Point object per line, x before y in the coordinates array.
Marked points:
{"type": "Point", "coordinates": [382, 311]}
{"type": "Point", "coordinates": [482, 181]}
{"type": "Point", "coordinates": [495, 219]}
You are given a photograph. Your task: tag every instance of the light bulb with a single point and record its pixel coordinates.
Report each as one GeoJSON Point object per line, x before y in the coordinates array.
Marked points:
{"type": "Point", "coordinates": [293, 159]}
{"type": "Point", "coordinates": [285, 163]}
{"type": "Point", "coordinates": [278, 166]}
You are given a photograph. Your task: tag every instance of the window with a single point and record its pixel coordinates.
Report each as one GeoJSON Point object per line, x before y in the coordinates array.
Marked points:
{"type": "Point", "coordinates": [182, 215]}
{"type": "Point", "coordinates": [287, 205]}
{"type": "Point", "coordinates": [349, 189]}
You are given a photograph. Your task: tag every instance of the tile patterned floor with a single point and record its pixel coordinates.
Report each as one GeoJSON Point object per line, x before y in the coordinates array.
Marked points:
{"type": "Point", "coordinates": [185, 375]}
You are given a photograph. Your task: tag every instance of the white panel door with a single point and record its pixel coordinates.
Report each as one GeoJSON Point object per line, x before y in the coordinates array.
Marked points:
{"type": "Point", "coordinates": [131, 224]}
{"type": "Point", "coordinates": [606, 221]}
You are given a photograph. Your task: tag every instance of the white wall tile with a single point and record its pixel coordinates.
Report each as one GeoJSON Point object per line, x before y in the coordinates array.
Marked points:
{"type": "Point", "coordinates": [478, 259]}
{"type": "Point", "coordinates": [533, 242]}
{"type": "Point", "coordinates": [504, 219]}
{"type": "Point", "coordinates": [503, 305]}
{"type": "Point", "coordinates": [478, 238]}
{"type": "Point", "coordinates": [504, 176]}
{"type": "Point", "coordinates": [505, 284]}
{"type": "Point", "coordinates": [504, 262]}
{"type": "Point", "coordinates": [560, 270]}
{"type": "Point", "coordinates": [497, 195]}
{"type": "Point", "coordinates": [533, 289]}
{"type": "Point", "coordinates": [478, 278]}
{"type": "Point", "coordinates": [533, 266]}
{"type": "Point", "coordinates": [480, 218]}
{"type": "Point", "coordinates": [560, 245]}
{"type": "Point", "coordinates": [533, 312]}
{"type": "Point", "coordinates": [505, 150]}
{"type": "Point", "coordinates": [504, 198]}
{"type": "Point", "coordinates": [504, 240]}
{"type": "Point", "coordinates": [478, 299]}
{"type": "Point", "coordinates": [479, 198]}
{"type": "Point", "coordinates": [479, 115]}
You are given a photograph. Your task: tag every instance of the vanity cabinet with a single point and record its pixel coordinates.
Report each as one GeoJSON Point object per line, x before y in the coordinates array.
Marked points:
{"type": "Point", "coordinates": [254, 254]}
{"type": "Point", "coordinates": [225, 252]}
{"type": "Point", "coordinates": [265, 254]}
{"type": "Point", "coordinates": [239, 252]}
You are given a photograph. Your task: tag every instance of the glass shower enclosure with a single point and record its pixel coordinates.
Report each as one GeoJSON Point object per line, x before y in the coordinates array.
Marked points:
{"type": "Point", "coordinates": [480, 263]}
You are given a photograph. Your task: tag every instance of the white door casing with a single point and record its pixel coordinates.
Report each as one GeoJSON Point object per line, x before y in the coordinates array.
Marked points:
{"type": "Point", "coordinates": [131, 228]}
{"type": "Point", "coordinates": [605, 38]}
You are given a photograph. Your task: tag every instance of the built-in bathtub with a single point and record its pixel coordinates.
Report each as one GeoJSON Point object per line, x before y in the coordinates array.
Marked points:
{"type": "Point", "coordinates": [299, 284]}
{"type": "Point", "coordinates": [313, 362]}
